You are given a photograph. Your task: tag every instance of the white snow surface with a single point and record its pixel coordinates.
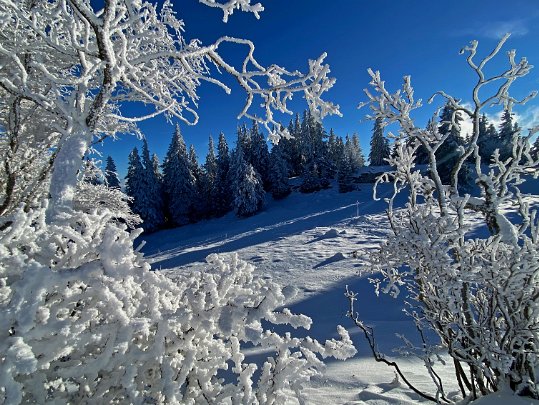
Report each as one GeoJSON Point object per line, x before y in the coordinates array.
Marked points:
{"type": "Point", "coordinates": [317, 245]}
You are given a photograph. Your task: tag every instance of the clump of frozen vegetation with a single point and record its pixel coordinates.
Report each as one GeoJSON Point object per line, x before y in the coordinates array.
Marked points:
{"type": "Point", "coordinates": [480, 295]}
{"type": "Point", "coordinates": [83, 319]}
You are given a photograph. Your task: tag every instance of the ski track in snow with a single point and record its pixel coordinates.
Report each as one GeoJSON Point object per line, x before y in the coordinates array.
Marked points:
{"type": "Point", "coordinates": [318, 244]}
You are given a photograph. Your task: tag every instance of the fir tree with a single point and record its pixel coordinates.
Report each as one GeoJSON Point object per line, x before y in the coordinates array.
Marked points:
{"type": "Point", "coordinates": [316, 169]}
{"type": "Point", "coordinates": [223, 201]}
{"type": "Point", "coordinates": [247, 190]}
{"type": "Point", "coordinates": [333, 154]}
{"type": "Point", "coordinates": [535, 148]}
{"type": "Point", "coordinates": [379, 145]}
{"type": "Point", "coordinates": [280, 187]}
{"type": "Point", "coordinates": [178, 181]}
{"type": "Point", "coordinates": [111, 174]}
{"type": "Point", "coordinates": [150, 205]}
{"type": "Point", "coordinates": [201, 204]}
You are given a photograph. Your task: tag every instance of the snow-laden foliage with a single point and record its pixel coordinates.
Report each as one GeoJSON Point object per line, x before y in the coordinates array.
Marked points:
{"type": "Point", "coordinates": [379, 145]}
{"type": "Point", "coordinates": [84, 320]}
{"type": "Point", "coordinates": [247, 190]}
{"type": "Point", "coordinates": [111, 174]}
{"type": "Point", "coordinates": [468, 264]}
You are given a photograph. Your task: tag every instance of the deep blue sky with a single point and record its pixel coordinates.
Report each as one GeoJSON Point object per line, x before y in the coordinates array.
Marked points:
{"type": "Point", "coordinates": [419, 38]}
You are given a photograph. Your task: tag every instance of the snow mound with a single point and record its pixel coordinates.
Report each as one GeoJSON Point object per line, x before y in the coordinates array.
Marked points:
{"type": "Point", "coordinates": [335, 258]}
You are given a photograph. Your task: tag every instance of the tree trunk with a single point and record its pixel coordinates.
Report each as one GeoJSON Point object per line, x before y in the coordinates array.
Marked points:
{"type": "Point", "coordinates": [64, 173]}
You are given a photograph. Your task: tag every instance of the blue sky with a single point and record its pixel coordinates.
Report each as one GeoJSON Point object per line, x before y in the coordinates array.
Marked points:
{"type": "Point", "coordinates": [419, 38]}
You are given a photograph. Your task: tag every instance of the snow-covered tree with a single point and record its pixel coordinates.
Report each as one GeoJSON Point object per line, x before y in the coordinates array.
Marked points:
{"type": "Point", "coordinates": [82, 317]}
{"type": "Point", "coordinates": [448, 154]}
{"type": "Point", "coordinates": [151, 205]}
{"type": "Point", "coordinates": [379, 145]}
{"type": "Point", "coordinates": [200, 204]}
{"type": "Point", "coordinates": [479, 294]}
{"type": "Point", "coordinates": [507, 130]}
{"type": "Point", "coordinates": [209, 181]}
{"type": "Point", "coordinates": [135, 182]}
{"type": "Point", "coordinates": [487, 140]}
{"type": "Point", "coordinates": [179, 183]}
{"type": "Point", "coordinates": [260, 155]}
{"type": "Point", "coordinates": [247, 191]}
{"type": "Point", "coordinates": [278, 174]}
{"type": "Point", "coordinates": [111, 174]}
{"type": "Point", "coordinates": [345, 173]}
{"type": "Point", "coordinates": [223, 203]}
{"type": "Point", "coordinates": [314, 157]}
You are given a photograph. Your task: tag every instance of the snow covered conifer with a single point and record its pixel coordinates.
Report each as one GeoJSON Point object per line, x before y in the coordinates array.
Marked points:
{"type": "Point", "coordinates": [201, 202]}
{"type": "Point", "coordinates": [345, 173]}
{"type": "Point", "coordinates": [448, 153]}
{"type": "Point", "coordinates": [247, 191]}
{"type": "Point", "coordinates": [111, 174]}
{"type": "Point", "coordinates": [150, 205]}
{"type": "Point", "coordinates": [223, 202]}
{"type": "Point", "coordinates": [209, 181]}
{"type": "Point", "coordinates": [379, 145]}
{"type": "Point", "coordinates": [178, 181]}
{"type": "Point", "coordinates": [135, 182]}
{"type": "Point", "coordinates": [280, 187]}
{"type": "Point", "coordinates": [505, 135]}
{"type": "Point", "coordinates": [260, 155]}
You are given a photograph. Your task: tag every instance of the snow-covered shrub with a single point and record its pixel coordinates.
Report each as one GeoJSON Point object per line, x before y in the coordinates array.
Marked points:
{"type": "Point", "coordinates": [468, 264]}
{"type": "Point", "coordinates": [83, 319]}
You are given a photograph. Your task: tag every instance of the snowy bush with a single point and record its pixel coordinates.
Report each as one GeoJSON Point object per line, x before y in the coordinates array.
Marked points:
{"type": "Point", "coordinates": [83, 319]}
{"type": "Point", "coordinates": [479, 294]}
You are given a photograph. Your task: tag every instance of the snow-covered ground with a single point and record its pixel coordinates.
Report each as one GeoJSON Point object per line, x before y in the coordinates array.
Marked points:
{"type": "Point", "coordinates": [318, 244]}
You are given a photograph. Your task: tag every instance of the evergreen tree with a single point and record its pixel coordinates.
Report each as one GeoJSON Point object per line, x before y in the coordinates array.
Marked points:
{"type": "Point", "coordinates": [487, 139]}
{"type": "Point", "coordinates": [178, 181]}
{"type": "Point", "coordinates": [345, 173]}
{"type": "Point", "coordinates": [201, 203]}
{"type": "Point", "coordinates": [111, 174]}
{"type": "Point", "coordinates": [92, 174]}
{"type": "Point", "coordinates": [280, 187]}
{"type": "Point", "coordinates": [134, 181]}
{"type": "Point", "coordinates": [505, 135]}
{"type": "Point", "coordinates": [379, 145]}
{"type": "Point", "coordinates": [223, 201]}
{"type": "Point", "coordinates": [448, 153]}
{"type": "Point", "coordinates": [356, 153]}
{"type": "Point", "coordinates": [247, 190]}
{"type": "Point", "coordinates": [209, 180]}
{"type": "Point", "coordinates": [315, 166]}
{"type": "Point", "coordinates": [333, 154]}
{"type": "Point", "coordinates": [150, 205]}
{"type": "Point", "coordinates": [260, 155]}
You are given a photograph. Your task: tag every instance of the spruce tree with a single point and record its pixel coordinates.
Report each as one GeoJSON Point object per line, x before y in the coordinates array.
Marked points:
{"type": "Point", "coordinates": [150, 205]}
{"type": "Point", "coordinates": [535, 149]}
{"type": "Point", "coordinates": [280, 187]}
{"type": "Point", "coordinates": [247, 190]}
{"type": "Point", "coordinates": [209, 180]}
{"type": "Point", "coordinates": [379, 145]}
{"type": "Point", "coordinates": [505, 135]}
{"type": "Point", "coordinates": [111, 174]}
{"type": "Point", "coordinates": [134, 181]}
{"type": "Point", "coordinates": [260, 155]}
{"type": "Point", "coordinates": [345, 173]}
{"type": "Point", "coordinates": [200, 207]}
{"type": "Point", "coordinates": [223, 201]}
{"type": "Point", "coordinates": [178, 181]}
{"type": "Point", "coordinates": [487, 139]}
{"type": "Point", "coordinates": [356, 153]}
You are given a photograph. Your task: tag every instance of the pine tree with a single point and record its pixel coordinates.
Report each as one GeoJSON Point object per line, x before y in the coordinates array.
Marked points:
{"type": "Point", "coordinates": [260, 155]}
{"type": "Point", "coordinates": [178, 181]}
{"type": "Point", "coordinates": [280, 187]}
{"type": "Point", "coordinates": [448, 153]}
{"type": "Point", "coordinates": [315, 166]}
{"type": "Point", "coordinates": [247, 190]}
{"type": "Point", "coordinates": [223, 201]}
{"type": "Point", "coordinates": [535, 149]}
{"type": "Point", "coordinates": [200, 207]}
{"type": "Point", "coordinates": [379, 145]}
{"type": "Point", "coordinates": [111, 174]}
{"type": "Point", "coordinates": [150, 205]}
{"type": "Point", "coordinates": [333, 154]}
